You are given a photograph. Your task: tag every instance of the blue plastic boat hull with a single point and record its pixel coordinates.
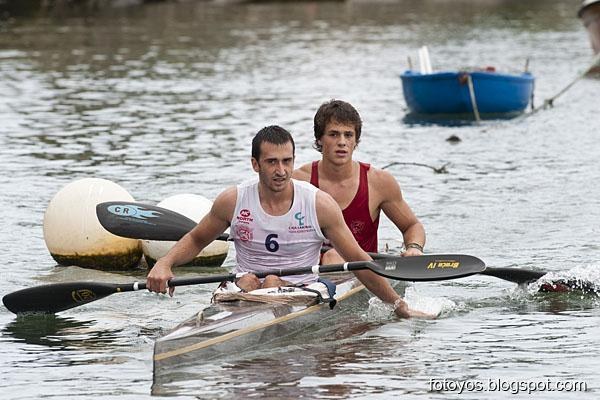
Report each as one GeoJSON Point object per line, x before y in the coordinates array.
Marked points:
{"type": "Point", "coordinates": [448, 92]}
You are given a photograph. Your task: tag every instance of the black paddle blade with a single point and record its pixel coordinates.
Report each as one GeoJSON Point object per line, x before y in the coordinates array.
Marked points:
{"type": "Point", "coordinates": [50, 299]}
{"type": "Point", "coordinates": [142, 221]}
{"type": "Point", "coordinates": [428, 267]}
{"type": "Point", "coordinates": [515, 275]}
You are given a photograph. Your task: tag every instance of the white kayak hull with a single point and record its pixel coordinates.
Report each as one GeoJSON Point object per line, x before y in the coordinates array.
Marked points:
{"type": "Point", "coordinates": [230, 328]}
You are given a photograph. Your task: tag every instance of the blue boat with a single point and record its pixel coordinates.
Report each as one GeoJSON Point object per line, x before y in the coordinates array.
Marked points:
{"type": "Point", "coordinates": [453, 92]}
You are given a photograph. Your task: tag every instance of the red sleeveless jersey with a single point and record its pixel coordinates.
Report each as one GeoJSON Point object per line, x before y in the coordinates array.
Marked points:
{"type": "Point", "coordinates": [357, 215]}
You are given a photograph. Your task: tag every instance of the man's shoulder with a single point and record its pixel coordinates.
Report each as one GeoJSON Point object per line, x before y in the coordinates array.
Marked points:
{"type": "Point", "coordinates": [325, 204]}
{"type": "Point", "coordinates": [381, 182]}
{"type": "Point", "coordinates": [224, 203]}
{"type": "Point", "coordinates": [377, 174]}
{"type": "Point", "coordinates": [303, 173]}
{"type": "Point", "coordinates": [227, 194]}
{"type": "Point", "coordinates": [307, 166]}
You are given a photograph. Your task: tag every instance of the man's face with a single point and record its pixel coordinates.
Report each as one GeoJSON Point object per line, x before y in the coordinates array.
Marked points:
{"type": "Point", "coordinates": [275, 165]}
{"type": "Point", "coordinates": [338, 141]}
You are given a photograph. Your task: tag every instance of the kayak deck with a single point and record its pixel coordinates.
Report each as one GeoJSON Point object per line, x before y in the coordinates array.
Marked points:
{"type": "Point", "coordinates": [236, 326]}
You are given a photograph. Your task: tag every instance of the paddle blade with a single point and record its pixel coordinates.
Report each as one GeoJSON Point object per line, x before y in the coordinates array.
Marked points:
{"type": "Point", "coordinates": [142, 221]}
{"type": "Point", "coordinates": [428, 267]}
{"type": "Point", "coordinates": [50, 299]}
{"type": "Point", "coordinates": [515, 275]}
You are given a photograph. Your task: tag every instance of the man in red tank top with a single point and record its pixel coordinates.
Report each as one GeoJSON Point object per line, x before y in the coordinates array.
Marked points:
{"type": "Point", "coordinates": [357, 214]}
{"type": "Point", "coordinates": [361, 191]}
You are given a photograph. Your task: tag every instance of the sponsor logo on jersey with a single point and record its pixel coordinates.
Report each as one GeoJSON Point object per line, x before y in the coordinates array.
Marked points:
{"type": "Point", "coordinates": [357, 226]}
{"type": "Point", "coordinates": [244, 233]}
{"type": "Point", "coordinates": [300, 218]}
{"type": "Point", "coordinates": [245, 216]}
{"type": "Point", "coordinates": [301, 227]}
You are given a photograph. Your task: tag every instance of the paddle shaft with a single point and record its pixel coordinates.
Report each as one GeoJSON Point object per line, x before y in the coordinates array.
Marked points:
{"type": "Point", "coordinates": [316, 269]}
{"type": "Point", "coordinates": [199, 280]}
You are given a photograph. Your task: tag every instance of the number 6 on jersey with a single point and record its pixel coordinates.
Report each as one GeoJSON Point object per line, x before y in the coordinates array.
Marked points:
{"type": "Point", "coordinates": [271, 244]}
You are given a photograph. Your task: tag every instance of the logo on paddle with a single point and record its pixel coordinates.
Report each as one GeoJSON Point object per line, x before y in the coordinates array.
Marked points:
{"type": "Point", "coordinates": [83, 295]}
{"type": "Point", "coordinates": [390, 266]}
{"type": "Point", "coordinates": [444, 264]}
{"type": "Point", "coordinates": [130, 210]}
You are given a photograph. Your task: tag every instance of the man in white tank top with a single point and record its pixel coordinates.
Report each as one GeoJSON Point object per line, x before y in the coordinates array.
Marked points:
{"type": "Point", "coordinates": [275, 222]}
{"type": "Point", "coordinates": [265, 242]}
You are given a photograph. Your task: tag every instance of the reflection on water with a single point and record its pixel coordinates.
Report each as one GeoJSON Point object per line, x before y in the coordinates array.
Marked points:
{"type": "Point", "coordinates": [454, 120]}
{"type": "Point", "coordinates": [59, 332]}
{"type": "Point", "coordinates": [295, 370]}
{"type": "Point", "coordinates": [565, 302]}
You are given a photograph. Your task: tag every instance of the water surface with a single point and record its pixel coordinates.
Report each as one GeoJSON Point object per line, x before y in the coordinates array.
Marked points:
{"type": "Point", "coordinates": [165, 98]}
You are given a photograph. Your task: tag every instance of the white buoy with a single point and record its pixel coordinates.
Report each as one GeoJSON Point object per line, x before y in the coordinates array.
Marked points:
{"type": "Point", "coordinates": [194, 207]}
{"type": "Point", "coordinates": [74, 235]}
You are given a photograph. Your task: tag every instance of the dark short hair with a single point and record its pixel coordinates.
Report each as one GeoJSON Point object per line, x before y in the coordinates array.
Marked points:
{"type": "Point", "coordinates": [272, 134]}
{"type": "Point", "coordinates": [339, 111]}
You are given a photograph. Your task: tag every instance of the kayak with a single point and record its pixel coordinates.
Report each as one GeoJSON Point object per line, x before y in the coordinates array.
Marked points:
{"type": "Point", "coordinates": [245, 322]}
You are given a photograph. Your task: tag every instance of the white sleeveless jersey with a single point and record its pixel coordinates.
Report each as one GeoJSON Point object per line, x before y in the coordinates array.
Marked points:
{"type": "Point", "coordinates": [265, 242]}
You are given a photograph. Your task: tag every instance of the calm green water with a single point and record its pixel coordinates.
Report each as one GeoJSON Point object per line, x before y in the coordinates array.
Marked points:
{"type": "Point", "coordinates": [165, 98]}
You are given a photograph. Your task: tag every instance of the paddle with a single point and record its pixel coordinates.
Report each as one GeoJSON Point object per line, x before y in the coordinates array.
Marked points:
{"type": "Point", "coordinates": [143, 221]}
{"type": "Point", "coordinates": [57, 297]}
{"type": "Point", "coordinates": [515, 275]}
{"type": "Point", "coordinates": [121, 218]}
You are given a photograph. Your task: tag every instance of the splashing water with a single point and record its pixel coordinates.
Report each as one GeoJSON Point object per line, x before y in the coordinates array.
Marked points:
{"type": "Point", "coordinates": [437, 306]}
{"type": "Point", "coordinates": [584, 278]}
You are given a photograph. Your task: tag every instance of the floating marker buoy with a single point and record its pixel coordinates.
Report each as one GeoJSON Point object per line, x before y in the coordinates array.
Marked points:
{"type": "Point", "coordinates": [194, 207]}
{"type": "Point", "coordinates": [73, 234]}
{"type": "Point", "coordinates": [453, 139]}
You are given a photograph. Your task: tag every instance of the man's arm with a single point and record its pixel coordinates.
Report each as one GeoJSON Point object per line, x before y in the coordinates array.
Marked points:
{"type": "Point", "coordinates": [385, 187]}
{"type": "Point", "coordinates": [333, 226]}
{"type": "Point", "coordinates": [208, 229]}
